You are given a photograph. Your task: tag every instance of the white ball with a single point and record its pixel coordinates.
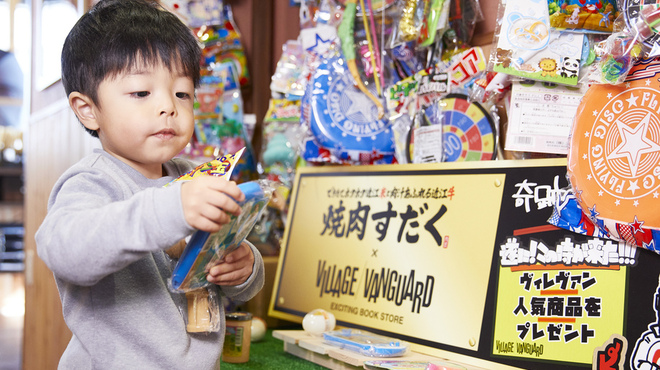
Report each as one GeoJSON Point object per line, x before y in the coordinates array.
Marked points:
{"type": "Point", "coordinates": [257, 329]}
{"type": "Point", "coordinates": [318, 321]}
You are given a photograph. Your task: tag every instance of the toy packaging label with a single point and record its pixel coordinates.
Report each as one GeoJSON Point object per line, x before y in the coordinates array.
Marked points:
{"type": "Point", "coordinates": [221, 166]}
{"type": "Point", "coordinates": [583, 15]}
{"type": "Point", "coordinates": [467, 65]}
{"type": "Point", "coordinates": [527, 47]}
{"type": "Point", "coordinates": [541, 117]}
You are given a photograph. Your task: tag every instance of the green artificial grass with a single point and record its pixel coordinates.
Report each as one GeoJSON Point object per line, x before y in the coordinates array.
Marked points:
{"type": "Point", "coordinates": [269, 354]}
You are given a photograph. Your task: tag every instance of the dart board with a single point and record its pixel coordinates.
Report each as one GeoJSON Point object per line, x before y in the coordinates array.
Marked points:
{"type": "Point", "coordinates": [631, 11]}
{"type": "Point", "coordinates": [469, 130]}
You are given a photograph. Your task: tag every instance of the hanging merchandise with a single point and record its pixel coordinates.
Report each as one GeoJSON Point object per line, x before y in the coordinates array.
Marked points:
{"type": "Point", "coordinates": [286, 79]}
{"type": "Point", "coordinates": [436, 19]}
{"type": "Point", "coordinates": [469, 132]}
{"type": "Point", "coordinates": [405, 60]}
{"type": "Point", "coordinates": [222, 44]}
{"type": "Point", "coordinates": [463, 17]}
{"type": "Point", "coordinates": [583, 15]}
{"type": "Point", "coordinates": [282, 136]}
{"type": "Point", "coordinates": [219, 127]}
{"type": "Point", "coordinates": [345, 31]}
{"type": "Point", "coordinates": [344, 122]}
{"type": "Point", "coordinates": [410, 22]}
{"type": "Point", "coordinates": [642, 16]}
{"type": "Point", "coordinates": [527, 47]}
{"type": "Point", "coordinates": [196, 13]}
{"type": "Point", "coordinates": [213, 22]}
{"type": "Point", "coordinates": [636, 37]}
{"type": "Point", "coordinates": [362, 104]}
{"type": "Point", "coordinates": [425, 136]}
{"type": "Point", "coordinates": [614, 58]}
{"type": "Point", "coordinates": [614, 155]}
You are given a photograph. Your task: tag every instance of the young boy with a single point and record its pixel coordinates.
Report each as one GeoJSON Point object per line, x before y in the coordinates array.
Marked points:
{"type": "Point", "coordinates": [130, 70]}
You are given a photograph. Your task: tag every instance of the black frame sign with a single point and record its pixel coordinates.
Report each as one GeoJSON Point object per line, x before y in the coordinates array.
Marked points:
{"type": "Point", "coordinates": [460, 261]}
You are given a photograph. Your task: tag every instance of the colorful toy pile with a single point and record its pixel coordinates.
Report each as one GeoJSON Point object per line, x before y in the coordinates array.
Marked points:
{"type": "Point", "coordinates": [219, 114]}
{"type": "Point", "coordinates": [397, 81]}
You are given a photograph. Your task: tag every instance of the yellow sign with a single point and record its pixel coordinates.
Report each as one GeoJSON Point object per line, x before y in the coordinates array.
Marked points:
{"type": "Point", "coordinates": [558, 312]}
{"type": "Point", "coordinates": [395, 248]}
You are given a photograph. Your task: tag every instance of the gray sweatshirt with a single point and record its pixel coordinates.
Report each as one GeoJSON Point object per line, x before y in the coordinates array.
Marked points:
{"type": "Point", "coordinates": [104, 238]}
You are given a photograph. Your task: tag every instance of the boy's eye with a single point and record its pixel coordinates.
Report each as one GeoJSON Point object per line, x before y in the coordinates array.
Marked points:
{"type": "Point", "coordinates": [182, 95]}
{"type": "Point", "coordinates": [140, 94]}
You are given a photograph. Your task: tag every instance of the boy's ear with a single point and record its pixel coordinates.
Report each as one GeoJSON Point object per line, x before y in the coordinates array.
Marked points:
{"type": "Point", "coordinates": [84, 108]}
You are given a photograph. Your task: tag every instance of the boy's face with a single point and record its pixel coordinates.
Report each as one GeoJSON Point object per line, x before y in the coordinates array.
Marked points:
{"type": "Point", "coordinates": [145, 116]}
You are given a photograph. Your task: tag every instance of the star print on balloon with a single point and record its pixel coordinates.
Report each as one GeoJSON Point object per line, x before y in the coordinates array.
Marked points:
{"type": "Point", "coordinates": [343, 120]}
{"type": "Point", "coordinates": [634, 144]}
{"type": "Point", "coordinates": [614, 157]}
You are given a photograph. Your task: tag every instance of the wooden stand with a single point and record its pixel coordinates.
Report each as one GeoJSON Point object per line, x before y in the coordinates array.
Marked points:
{"type": "Point", "coordinates": [314, 349]}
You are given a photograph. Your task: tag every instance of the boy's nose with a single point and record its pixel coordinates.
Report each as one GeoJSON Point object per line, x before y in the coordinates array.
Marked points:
{"type": "Point", "coordinates": [168, 107]}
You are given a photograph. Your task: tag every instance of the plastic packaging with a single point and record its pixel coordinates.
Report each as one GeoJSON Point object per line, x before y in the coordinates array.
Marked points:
{"type": "Point", "coordinates": [203, 311]}
{"type": "Point", "coordinates": [206, 249]}
{"type": "Point", "coordinates": [365, 343]}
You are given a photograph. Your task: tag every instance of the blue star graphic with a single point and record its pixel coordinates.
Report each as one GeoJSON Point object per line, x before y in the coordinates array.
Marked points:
{"type": "Point", "coordinates": [318, 40]}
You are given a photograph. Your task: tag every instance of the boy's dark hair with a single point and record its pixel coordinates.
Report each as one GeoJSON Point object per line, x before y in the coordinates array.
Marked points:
{"type": "Point", "coordinates": [115, 35]}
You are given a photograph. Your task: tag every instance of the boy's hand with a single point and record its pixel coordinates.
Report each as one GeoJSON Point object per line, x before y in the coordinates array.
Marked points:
{"type": "Point", "coordinates": [234, 269]}
{"type": "Point", "coordinates": [208, 201]}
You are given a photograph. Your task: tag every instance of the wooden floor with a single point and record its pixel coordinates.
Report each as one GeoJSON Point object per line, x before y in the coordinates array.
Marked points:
{"type": "Point", "coordinates": [12, 308]}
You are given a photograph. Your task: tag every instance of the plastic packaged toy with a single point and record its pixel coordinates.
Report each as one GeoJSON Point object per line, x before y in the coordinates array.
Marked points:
{"type": "Point", "coordinates": [344, 124]}
{"type": "Point", "coordinates": [528, 47]}
{"type": "Point", "coordinates": [365, 343]}
{"type": "Point", "coordinates": [206, 249]}
{"type": "Point", "coordinates": [411, 365]}
{"type": "Point", "coordinates": [583, 15]}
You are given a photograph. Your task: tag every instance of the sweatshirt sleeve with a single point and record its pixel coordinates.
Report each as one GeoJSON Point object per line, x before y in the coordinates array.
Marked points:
{"type": "Point", "coordinates": [253, 284]}
{"type": "Point", "coordinates": [96, 226]}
